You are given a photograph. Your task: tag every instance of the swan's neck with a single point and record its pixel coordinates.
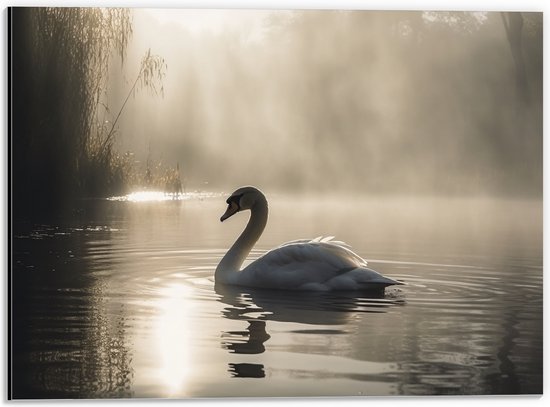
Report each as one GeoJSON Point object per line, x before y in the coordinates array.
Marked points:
{"type": "Point", "coordinates": [234, 258]}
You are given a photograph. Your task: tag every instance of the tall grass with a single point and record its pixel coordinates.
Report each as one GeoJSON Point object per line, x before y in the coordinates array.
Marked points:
{"type": "Point", "coordinates": [103, 169]}
{"type": "Point", "coordinates": [61, 150]}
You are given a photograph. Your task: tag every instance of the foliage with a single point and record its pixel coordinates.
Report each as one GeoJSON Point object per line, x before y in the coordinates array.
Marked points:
{"type": "Point", "coordinates": [106, 171]}
{"type": "Point", "coordinates": [61, 148]}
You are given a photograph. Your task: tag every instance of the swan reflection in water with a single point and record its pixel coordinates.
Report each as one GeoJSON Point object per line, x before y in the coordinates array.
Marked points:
{"type": "Point", "coordinates": [249, 342]}
{"type": "Point", "coordinates": [314, 310]}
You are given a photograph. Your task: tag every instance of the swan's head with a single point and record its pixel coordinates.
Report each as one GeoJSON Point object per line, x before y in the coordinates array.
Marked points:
{"type": "Point", "coordinates": [242, 199]}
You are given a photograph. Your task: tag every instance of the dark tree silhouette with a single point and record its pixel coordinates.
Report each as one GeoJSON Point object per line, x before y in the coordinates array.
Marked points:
{"type": "Point", "coordinates": [59, 68]}
{"type": "Point", "coordinates": [63, 146]}
{"type": "Point", "coordinates": [513, 24]}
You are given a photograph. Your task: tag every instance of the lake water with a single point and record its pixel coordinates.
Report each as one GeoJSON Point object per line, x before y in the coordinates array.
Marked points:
{"type": "Point", "coordinates": [118, 300]}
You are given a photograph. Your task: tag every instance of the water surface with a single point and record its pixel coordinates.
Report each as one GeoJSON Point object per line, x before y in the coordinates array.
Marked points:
{"type": "Point", "coordinates": [119, 301]}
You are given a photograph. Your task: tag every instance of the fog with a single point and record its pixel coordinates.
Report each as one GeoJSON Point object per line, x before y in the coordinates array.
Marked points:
{"type": "Point", "coordinates": [375, 102]}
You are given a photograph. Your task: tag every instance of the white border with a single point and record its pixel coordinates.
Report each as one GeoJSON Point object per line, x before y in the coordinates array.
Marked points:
{"type": "Point", "coordinates": [479, 5]}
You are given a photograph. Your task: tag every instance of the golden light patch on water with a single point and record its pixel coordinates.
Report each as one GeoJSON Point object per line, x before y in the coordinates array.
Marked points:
{"type": "Point", "coordinates": [146, 196]}
{"type": "Point", "coordinates": [160, 196]}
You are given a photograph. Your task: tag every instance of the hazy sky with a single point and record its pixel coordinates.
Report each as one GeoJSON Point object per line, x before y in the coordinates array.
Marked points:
{"type": "Point", "coordinates": [365, 99]}
{"type": "Point", "coordinates": [214, 21]}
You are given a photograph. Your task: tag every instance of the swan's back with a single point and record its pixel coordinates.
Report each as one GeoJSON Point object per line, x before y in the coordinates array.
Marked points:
{"type": "Point", "coordinates": [318, 264]}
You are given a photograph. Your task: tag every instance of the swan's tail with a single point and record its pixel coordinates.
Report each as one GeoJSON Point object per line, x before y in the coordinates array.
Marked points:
{"type": "Point", "coordinates": [385, 282]}
{"type": "Point", "coordinates": [377, 286]}
{"type": "Point", "coordinates": [363, 279]}
{"type": "Point", "coordinates": [367, 276]}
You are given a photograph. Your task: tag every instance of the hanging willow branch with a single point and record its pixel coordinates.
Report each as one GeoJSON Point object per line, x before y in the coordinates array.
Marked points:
{"type": "Point", "coordinates": [61, 65]}
{"type": "Point", "coordinates": [152, 70]}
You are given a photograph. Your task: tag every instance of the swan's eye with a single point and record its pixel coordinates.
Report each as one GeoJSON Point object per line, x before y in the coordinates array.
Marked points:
{"type": "Point", "coordinates": [234, 199]}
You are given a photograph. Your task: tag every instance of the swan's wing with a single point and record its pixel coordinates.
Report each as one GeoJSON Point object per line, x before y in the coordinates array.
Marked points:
{"type": "Point", "coordinates": [319, 239]}
{"type": "Point", "coordinates": [297, 241]}
{"type": "Point", "coordinates": [303, 262]}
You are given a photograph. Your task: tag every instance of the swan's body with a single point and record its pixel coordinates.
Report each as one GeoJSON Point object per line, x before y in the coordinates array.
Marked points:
{"type": "Point", "coordinates": [315, 265]}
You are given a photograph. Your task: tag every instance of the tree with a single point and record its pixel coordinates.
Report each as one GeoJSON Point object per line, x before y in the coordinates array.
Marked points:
{"type": "Point", "coordinates": [513, 24]}
{"type": "Point", "coordinates": [59, 76]}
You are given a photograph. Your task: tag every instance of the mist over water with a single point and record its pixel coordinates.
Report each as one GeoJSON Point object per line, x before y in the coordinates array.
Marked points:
{"type": "Point", "coordinates": [374, 102]}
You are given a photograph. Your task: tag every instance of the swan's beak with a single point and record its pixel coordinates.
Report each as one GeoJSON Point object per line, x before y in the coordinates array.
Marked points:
{"type": "Point", "coordinates": [232, 209]}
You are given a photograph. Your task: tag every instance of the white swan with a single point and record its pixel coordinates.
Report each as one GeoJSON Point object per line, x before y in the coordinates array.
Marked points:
{"type": "Point", "coordinates": [313, 265]}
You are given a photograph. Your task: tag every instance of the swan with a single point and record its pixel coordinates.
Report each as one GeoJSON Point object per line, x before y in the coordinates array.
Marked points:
{"type": "Point", "coordinates": [321, 264]}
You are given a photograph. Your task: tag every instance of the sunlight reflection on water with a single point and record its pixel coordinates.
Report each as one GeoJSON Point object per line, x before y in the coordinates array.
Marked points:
{"type": "Point", "coordinates": [173, 331]}
{"type": "Point", "coordinates": [122, 303]}
{"type": "Point", "coordinates": [160, 196]}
